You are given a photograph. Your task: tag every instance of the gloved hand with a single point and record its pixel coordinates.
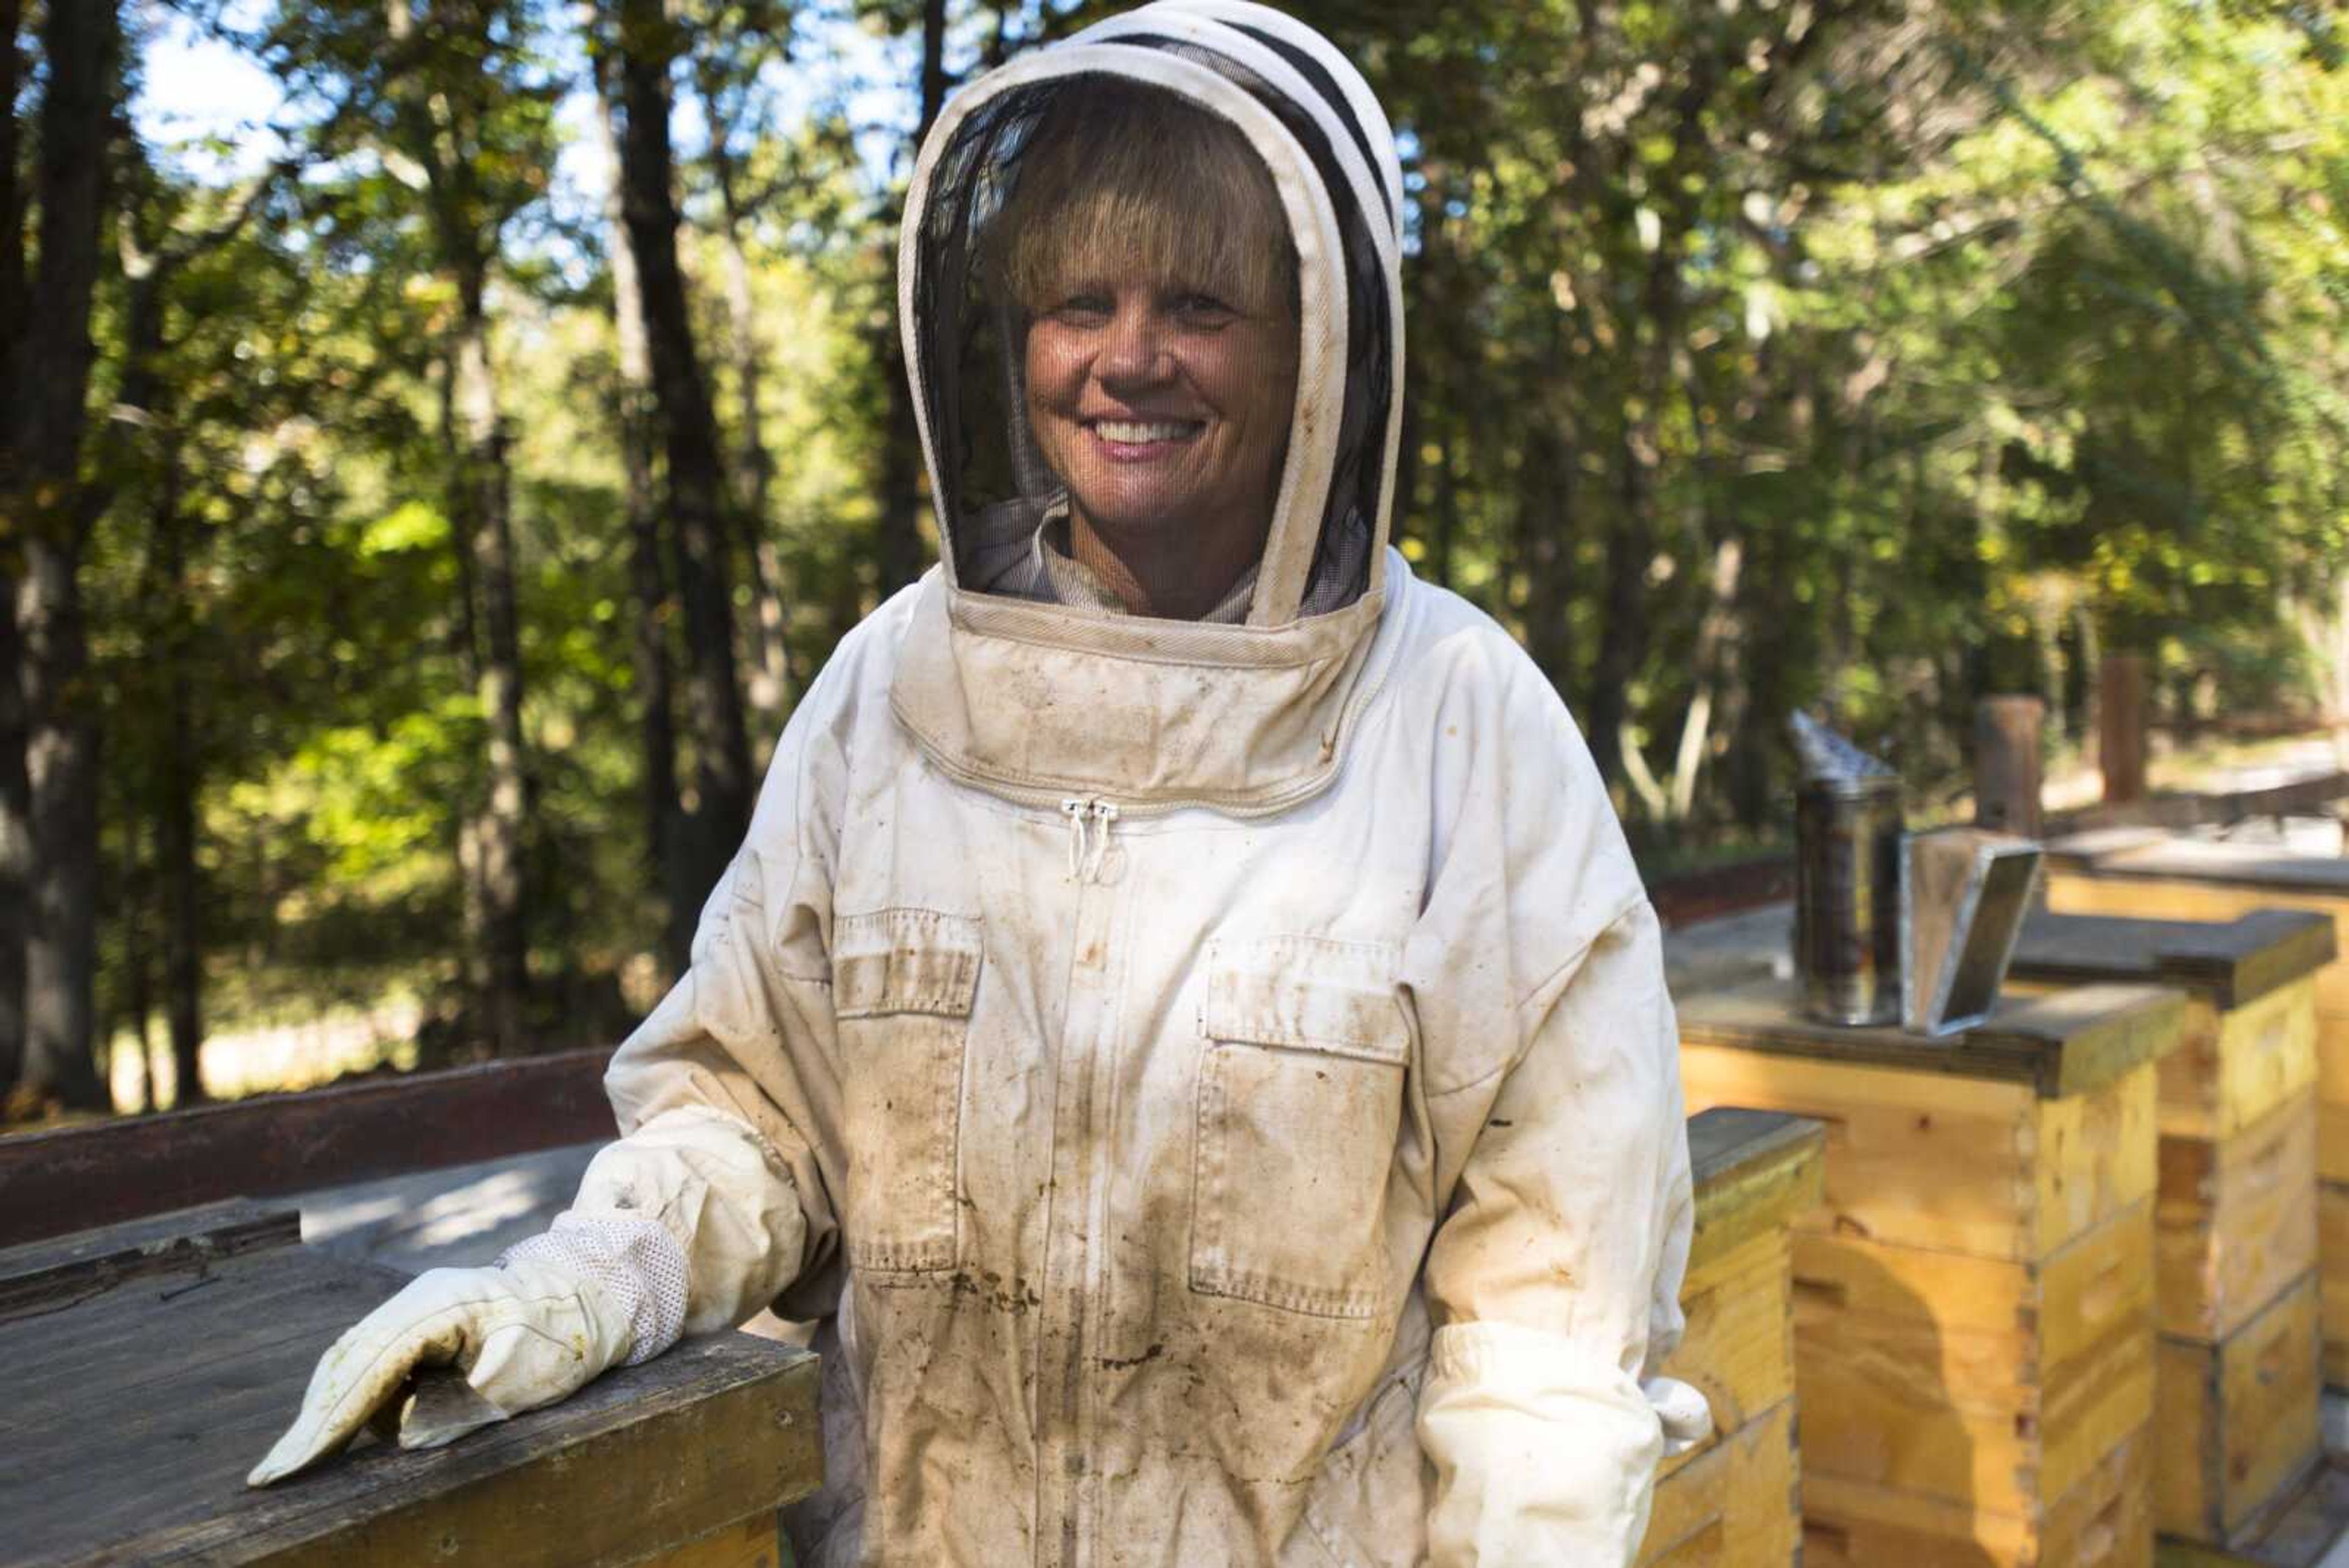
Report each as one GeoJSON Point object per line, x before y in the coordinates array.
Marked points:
{"type": "Point", "coordinates": [525, 1334]}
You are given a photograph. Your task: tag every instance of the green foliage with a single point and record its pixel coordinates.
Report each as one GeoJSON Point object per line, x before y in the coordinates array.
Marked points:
{"type": "Point", "coordinates": [1968, 337]}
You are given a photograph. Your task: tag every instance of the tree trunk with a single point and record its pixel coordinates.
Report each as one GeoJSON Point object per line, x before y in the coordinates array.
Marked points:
{"type": "Point", "coordinates": [648, 580]}
{"type": "Point", "coordinates": [61, 766]}
{"type": "Point", "coordinates": [175, 815]}
{"type": "Point", "coordinates": [483, 514]}
{"type": "Point", "coordinates": [12, 191]}
{"type": "Point", "coordinates": [689, 432]}
{"type": "Point", "coordinates": [480, 514]}
{"type": "Point", "coordinates": [16, 798]}
{"type": "Point", "coordinates": [48, 364]}
{"type": "Point", "coordinates": [771, 673]}
{"type": "Point", "coordinates": [901, 447]}
{"type": "Point", "coordinates": [15, 843]}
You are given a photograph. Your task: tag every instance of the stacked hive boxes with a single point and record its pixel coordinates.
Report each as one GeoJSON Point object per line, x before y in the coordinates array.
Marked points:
{"type": "Point", "coordinates": [2142, 873]}
{"type": "Point", "coordinates": [1975, 1298]}
{"type": "Point", "coordinates": [2236, 1210]}
{"type": "Point", "coordinates": [1732, 1500]}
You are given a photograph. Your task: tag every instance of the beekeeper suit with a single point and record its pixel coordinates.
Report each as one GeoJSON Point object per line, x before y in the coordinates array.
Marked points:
{"type": "Point", "coordinates": [1187, 1023]}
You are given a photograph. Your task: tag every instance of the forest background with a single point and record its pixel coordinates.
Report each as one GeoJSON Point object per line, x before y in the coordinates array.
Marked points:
{"type": "Point", "coordinates": [424, 493]}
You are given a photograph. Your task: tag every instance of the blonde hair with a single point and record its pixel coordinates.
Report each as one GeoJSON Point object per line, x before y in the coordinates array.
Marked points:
{"type": "Point", "coordinates": [1118, 180]}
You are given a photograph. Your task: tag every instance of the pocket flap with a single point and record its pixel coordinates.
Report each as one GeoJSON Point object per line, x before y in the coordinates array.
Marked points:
{"type": "Point", "coordinates": [1308, 993]}
{"type": "Point", "coordinates": [903, 960]}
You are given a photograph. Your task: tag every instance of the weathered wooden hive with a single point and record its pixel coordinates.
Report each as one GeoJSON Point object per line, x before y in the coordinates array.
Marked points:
{"type": "Point", "coordinates": [2239, 1363]}
{"type": "Point", "coordinates": [1734, 1501]}
{"type": "Point", "coordinates": [1974, 1297]}
{"type": "Point", "coordinates": [2146, 873]}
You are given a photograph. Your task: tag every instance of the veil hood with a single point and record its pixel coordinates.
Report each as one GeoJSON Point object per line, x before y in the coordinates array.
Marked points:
{"type": "Point", "coordinates": [1028, 696]}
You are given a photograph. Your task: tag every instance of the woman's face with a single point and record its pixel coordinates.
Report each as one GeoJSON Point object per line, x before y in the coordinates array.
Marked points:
{"type": "Point", "coordinates": [1163, 405]}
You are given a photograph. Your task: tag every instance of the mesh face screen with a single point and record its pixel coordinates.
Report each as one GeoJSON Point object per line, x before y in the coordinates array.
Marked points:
{"type": "Point", "coordinates": [1107, 297]}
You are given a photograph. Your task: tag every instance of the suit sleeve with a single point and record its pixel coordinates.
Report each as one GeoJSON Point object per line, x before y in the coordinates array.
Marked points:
{"type": "Point", "coordinates": [1554, 1092]}
{"type": "Point", "coordinates": [715, 1192]}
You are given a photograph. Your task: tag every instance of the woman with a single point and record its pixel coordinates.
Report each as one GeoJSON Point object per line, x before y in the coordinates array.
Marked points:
{"type": "Point", "coordinates": [1183, 1016]}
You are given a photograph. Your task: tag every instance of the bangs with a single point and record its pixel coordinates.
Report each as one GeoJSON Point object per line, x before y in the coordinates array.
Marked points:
{"type": "Point", "coordinates": [1120, 181]}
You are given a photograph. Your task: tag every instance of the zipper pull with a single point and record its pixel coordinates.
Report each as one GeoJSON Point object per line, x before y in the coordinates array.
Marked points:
{"type": "Point", "coordinates": [1106, 816]}
{"type": "Point", "coordinates": [1077, 811]}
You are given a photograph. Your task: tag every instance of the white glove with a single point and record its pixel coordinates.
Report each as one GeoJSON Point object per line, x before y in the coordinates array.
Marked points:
{"type": "Point", "coordinates": [524, 1334]}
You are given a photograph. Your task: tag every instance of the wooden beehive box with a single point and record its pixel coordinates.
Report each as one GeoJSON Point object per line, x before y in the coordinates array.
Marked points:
{"type": "Point", "coordinates": [2235, 1213]}
{"type": "Point", "coordinates": [1733, 1501]}
{"type": "Point", "coordinates": [151, 1364]}
{"type": "Point", "coordinates": [1973, 1297]}
{"type": "Point", "coordinates": [2143, 872]}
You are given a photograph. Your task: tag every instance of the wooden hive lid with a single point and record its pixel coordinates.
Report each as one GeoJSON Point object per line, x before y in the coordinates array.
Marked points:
{"type": "Point", "coordinates": [2232, 962]}
{"type": "Point", "coordinates": [2151, 855]}
{"type": "Point", "coordinates": [1753, 1171]}
{"type": "Point", "coordinates": [2064, 1042]}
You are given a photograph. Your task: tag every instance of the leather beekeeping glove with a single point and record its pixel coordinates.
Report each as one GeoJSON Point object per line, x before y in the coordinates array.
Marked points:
{"type": "Point", "coordinates": [552, 1313]}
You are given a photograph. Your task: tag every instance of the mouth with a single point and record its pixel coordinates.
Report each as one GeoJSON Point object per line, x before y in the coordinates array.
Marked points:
{"type": "Point", "coordinates": [1132, 440]}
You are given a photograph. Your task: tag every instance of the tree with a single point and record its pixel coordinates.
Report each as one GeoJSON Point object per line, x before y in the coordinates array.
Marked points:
{"type": "Point", "coordinates": [48, 355]}
{"type": "Point", "coordinates": [649, 44]}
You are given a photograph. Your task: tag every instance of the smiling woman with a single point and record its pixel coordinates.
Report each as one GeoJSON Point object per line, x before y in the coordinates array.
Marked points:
{"type": "Point", "coordinates": [1155, 288]}
{"type": "Point", "coordinates": [1183, 1016]}
{"type": "Point", "coordinates": [1158, 289]}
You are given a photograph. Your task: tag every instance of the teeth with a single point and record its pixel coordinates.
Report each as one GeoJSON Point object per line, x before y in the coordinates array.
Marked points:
{"type": "Point", "coordinates": [1136, 433]}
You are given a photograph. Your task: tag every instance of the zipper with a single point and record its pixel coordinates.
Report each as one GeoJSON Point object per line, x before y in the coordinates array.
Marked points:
{"type": "Point", "coordinates": [1090, 821]}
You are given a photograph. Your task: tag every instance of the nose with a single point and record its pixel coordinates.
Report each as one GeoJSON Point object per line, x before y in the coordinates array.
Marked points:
{"type": "Point", "coordinates": [1133, 350]}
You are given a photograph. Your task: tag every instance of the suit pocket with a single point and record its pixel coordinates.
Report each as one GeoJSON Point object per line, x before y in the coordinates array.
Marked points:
{"type": "Point", "coordinates": [903, 985]}
{"type": "Point", "coordinates": [1300, 1099]}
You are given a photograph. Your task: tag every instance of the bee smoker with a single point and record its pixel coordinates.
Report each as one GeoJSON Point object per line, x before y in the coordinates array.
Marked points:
{"type": "Point", "coordinates": [1848, 918]}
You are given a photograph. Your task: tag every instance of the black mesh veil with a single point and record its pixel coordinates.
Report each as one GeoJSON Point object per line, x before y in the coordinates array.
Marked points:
{"type": "Point", "coordinates": [1059, 209]}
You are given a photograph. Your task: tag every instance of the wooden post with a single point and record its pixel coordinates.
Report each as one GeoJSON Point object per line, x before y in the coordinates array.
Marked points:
{"type": "Point", "coordinates": [2120, 726]}
{"type": "Point", "coordinates": [2007, 777]}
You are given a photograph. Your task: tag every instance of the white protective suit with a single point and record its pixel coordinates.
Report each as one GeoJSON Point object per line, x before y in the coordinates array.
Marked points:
{"type": "Point", "coordinates": [1215, 1081]}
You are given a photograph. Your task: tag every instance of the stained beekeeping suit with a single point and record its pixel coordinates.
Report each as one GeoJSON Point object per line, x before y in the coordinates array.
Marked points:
{"type": "Point", "coordinates": [1183, 1016]}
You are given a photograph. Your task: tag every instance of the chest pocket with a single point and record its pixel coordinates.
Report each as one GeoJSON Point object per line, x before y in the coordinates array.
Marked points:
{"type": "Point", "coordinates": [1300, 1100]}
{"type": "Point", "coordinates": [903, 984]}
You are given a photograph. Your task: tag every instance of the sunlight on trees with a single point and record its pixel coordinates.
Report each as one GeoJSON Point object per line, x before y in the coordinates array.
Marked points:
{"type": "Point", "coordinates": [406, 582]}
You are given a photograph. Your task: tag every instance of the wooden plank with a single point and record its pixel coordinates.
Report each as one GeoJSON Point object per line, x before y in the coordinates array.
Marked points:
{"type": "Point", "coordinates": [1752, 1171]}
{"type": "Point", "coordinates": [2094, 1155]}
{"type": "Point", "coordinates": [134, 1416]}
{"type": "Point", "coordinates": [2241, 1063]}
{"type": "Point", "coordinates": [2105, 1522]}
{"type": "Point", "coordinates": [2063, 1044]}
{"type": "Point", "coordinates": [1731, 950]}
{"type": "Point", "coordinates": [753, 1542]}
{"type": "Point", "coordinates": [2307, 1531]}
{"type": "Point", "coordinates": [1739, 1348]}
{"type": "Point", "coordinates": [52, 1183]}
{"type": "Point", "coordinates": [1736, 1507]}
{"type": "Point", "coordinates": [2236, 1423]}
{"type": "Point", "coordinates": [2154, 856]}
{"type": "Point", "coordinates": [2236, 1222]}
{"type": "Point", "coordinates": [2333, 1285]}
{"type": "Point", "coordinates": [1993, 1385]}
{"type": "Point", "coordinates": [1923, 1158]}
{"type": "Point", "coordinates": [39, 1274]}
{"type": "Point", "coordinates": [1935, 1160]}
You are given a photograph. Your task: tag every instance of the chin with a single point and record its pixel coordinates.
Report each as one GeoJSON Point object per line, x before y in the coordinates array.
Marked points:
{"type": "Point", "coordinates": [1127, 517]}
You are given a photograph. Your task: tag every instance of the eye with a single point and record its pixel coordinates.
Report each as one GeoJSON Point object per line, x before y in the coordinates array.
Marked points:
{"type": "Point", "coordinates": [1198, 308]}
{"type": "Point", "coordinates": [1086, 307]}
